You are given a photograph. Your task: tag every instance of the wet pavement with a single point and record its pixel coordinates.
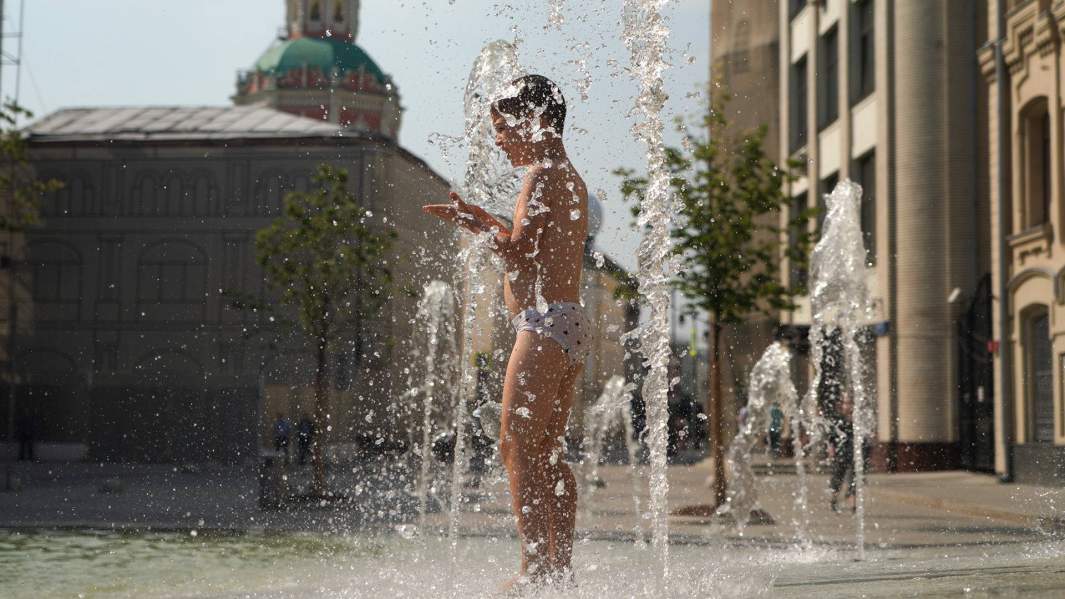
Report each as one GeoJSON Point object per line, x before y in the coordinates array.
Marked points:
{"type": "Point", "coordinates": [930, 535]}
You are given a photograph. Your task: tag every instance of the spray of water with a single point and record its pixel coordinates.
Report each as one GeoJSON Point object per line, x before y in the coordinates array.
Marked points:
{"type": "Point", "coordinates": [490, 181]}
{"type": "Point", "coordinates": [434, 309]}
{"type": "Point", "coordinates": [841, 305]}
{"type": "Point", "coordinates": [645, 34]}
{"type": "Point", "coordinates": [612, 412]}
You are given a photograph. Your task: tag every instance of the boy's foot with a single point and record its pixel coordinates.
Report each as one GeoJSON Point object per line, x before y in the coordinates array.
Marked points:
{"type": "Point", "coordinates": [517, 586]}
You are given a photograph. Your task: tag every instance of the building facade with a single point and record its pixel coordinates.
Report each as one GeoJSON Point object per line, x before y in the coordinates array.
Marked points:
{"type": "Point", "coordinates": [745, 61]}
{"type": "Point", "coordinates": [1024, 75]}
{"type": "Point", "coordinates": [137, 352]}
{"type": "Point", "coordinates": [882, 93]}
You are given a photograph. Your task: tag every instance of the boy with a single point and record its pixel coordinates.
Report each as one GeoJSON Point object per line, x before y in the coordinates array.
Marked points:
{"type": "Point", "coordinates": [545, 248]}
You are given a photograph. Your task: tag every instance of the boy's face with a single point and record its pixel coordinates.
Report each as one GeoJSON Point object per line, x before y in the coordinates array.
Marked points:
{"type": "Point", "coordinates": [515, 140]}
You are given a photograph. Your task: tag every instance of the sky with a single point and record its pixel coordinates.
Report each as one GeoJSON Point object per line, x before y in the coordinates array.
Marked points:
{"type": "Point", "coordinates": [188, 52]}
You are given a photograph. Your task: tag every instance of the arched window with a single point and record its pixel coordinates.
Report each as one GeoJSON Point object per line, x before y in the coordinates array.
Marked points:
{"type": "Point", "coordinates": [77, 197]}
{"type": "Point", "coordinates": [56, 270]}
{"type": "Point", "coordinates": [1039, 363]}
{"type": "Point", "coordinates": [338, 11]}
{"type": "Point", "coordinates": [145, 194]}
{"type": "Point", "coordinates": [316, 10]}
{"type": "Point", "coordinates": [172, 272]}
{"type": "Point", "coordinates": [1037, 192]}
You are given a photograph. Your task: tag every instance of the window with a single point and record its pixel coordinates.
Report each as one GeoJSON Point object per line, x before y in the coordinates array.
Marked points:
{"type": "Point", "coordinates": [741, 62]}
{"type": "Point", "coordinates": [828, 93]}
{"type": "Point", "coordinates": [172, 272]}
{"type": "Point", "coordinates": [316, 10]}
{"type": "Point", "coordinates": [863, 63]}
{"type": "Point", "coordinates": [338, 11]}
{"type": "Point", "coordinates": [797, 276]}
{"type": "Point", "coordinates": [56, 273]}
{"type": "Point", "coordinates": [1035, 160]}
{"type": "Point", "coordinates": [1039, 386]}
{"type": "Point", "coordinates": [110, 269]}
{"type": "Point", "coordinates": [797, 117]}
{"type": "Point", "coordinates": [865, 173]}
{"type": "Point", "coordinates": [794, 6]}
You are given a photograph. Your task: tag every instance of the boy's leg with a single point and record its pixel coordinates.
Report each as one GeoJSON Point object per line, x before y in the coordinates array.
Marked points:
{"type": "Point", "coordinates": [563, 513]}
{"type": "Point", "coordinates": [529, 392]}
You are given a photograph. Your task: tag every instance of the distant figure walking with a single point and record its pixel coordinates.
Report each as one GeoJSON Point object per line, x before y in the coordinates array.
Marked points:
{"type": "Point", "coordinates": [282, 434]}
{"type": "Point", "coordinates": [841, 451]}
{"type": "Point", "coordinates": [304, 436]}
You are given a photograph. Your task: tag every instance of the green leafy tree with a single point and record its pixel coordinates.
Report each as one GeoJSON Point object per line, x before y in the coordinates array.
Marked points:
{"type": "Point", "coordinates": [20, 196]}
{"type": "Point", "coordinates": [729, 238]}
{"type": "Point", "coordinates": [328, 266]}
{"type": "Point", "coordinates": [20, 190]}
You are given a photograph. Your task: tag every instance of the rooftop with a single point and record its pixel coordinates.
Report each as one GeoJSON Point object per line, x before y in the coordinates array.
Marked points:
{"type": "Point", "coordinates": [168, 123]}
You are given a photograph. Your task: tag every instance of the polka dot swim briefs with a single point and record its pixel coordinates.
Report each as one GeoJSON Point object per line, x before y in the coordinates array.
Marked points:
{"type": "Point", "coordinates": [565, 323]}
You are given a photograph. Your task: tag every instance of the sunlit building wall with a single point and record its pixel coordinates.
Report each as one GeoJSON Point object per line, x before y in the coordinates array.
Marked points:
{"type": "Point", "coordinates": [884, 93]}
{"type": "Point", "coordinates": [1024, 74]}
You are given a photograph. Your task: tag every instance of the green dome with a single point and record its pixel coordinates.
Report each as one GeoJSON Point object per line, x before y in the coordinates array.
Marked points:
{"type": "Point", "coordinates": [321, 53]}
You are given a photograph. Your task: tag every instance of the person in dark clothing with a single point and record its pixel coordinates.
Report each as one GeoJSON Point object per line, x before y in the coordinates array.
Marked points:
{"type": "Point", "coordinates": [26, 438]}
{"type": "Point", "coordinates": [841, 451]}
{"type": "Point", "coordinates": [304, 436]}
{"type": "Point", "coordinates": [282, 434]}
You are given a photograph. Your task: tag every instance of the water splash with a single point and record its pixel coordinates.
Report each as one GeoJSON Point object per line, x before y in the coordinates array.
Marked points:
{"type": "Point", "coordinates": [490, 180]}
{"type": "Point", "coordinates": [841, 305]}
{"type": "Point", "coordinates": [436, 303]}
{"type": "Point", "coordinates": [610, 412]}
{"type": "Point", "coordinates": [645, 34]}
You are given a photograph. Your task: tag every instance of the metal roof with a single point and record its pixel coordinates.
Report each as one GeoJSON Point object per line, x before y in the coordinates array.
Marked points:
{"type": "Point", "coordinates": [157, 123]}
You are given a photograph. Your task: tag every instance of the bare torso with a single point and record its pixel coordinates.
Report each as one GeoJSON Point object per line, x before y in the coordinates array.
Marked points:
{"type": "Point", "coordinates": [553, 200]}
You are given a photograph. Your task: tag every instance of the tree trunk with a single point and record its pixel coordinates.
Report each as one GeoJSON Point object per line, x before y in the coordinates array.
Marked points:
{"type": "Point", "coordinates": [320, 419]}
{"type": "Point", "coordinates": [714, 412]}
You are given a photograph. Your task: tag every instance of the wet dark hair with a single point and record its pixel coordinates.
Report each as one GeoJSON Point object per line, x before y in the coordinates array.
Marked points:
{"type": "Point", "coordinates": [535, 95]}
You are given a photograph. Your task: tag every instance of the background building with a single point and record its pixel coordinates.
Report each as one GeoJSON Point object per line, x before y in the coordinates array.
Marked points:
{"type": "Point", "coordinates": [315, 69]}
{"type": "Point", "coordinates": [745, 60]}
{"type": "Point", "coordinates": [1024, 72]}
{"type": "Point", "coordinates": [883, 93]}
{"type": "Point", "coordinates": [135, 352]}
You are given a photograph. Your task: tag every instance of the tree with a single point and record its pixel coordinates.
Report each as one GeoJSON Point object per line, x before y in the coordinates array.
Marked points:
{"type": "Point", "coordinates": [328, 266]}
{"type": "Point", "coordinates": [20, 196]}
{"type": "Point", "coordinates": [20, 189]}
{"type": "Point", "coordinates": [729, 238]}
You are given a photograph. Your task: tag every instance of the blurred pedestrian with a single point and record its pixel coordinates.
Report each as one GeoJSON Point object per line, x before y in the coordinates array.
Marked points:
{"type": "Point", "coordinates": [282, 434]}
{"type": "Point", "coordinates": [304, 436]}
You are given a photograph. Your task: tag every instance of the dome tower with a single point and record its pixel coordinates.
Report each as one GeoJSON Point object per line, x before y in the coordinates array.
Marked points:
{"type": "Point", "coordinates": [318, 71]}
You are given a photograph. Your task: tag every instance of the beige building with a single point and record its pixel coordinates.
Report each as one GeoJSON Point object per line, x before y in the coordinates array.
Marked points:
{"type": "Point", "coordinates": [883, 93]}
{"type": "Point", "coordinates": [1024, 72]}
{"type": "Point", "coordinates": [745, 59]}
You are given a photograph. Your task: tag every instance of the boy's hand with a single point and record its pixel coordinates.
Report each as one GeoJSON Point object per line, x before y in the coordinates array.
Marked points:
{"type": "Point", "coordinates": [471, 218]}
{"type": "Point", "coordinates": [457, 212]}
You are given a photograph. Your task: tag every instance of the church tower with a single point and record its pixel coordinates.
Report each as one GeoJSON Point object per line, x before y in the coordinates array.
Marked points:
{"type": "Point", "coordinates": [318, 71]}
{"type": "Point", "coordinates": [313, 18]}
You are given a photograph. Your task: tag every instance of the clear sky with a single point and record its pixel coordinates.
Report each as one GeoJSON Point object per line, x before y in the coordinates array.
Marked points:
{"type": "Point", "coordinates": [188, 52]}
